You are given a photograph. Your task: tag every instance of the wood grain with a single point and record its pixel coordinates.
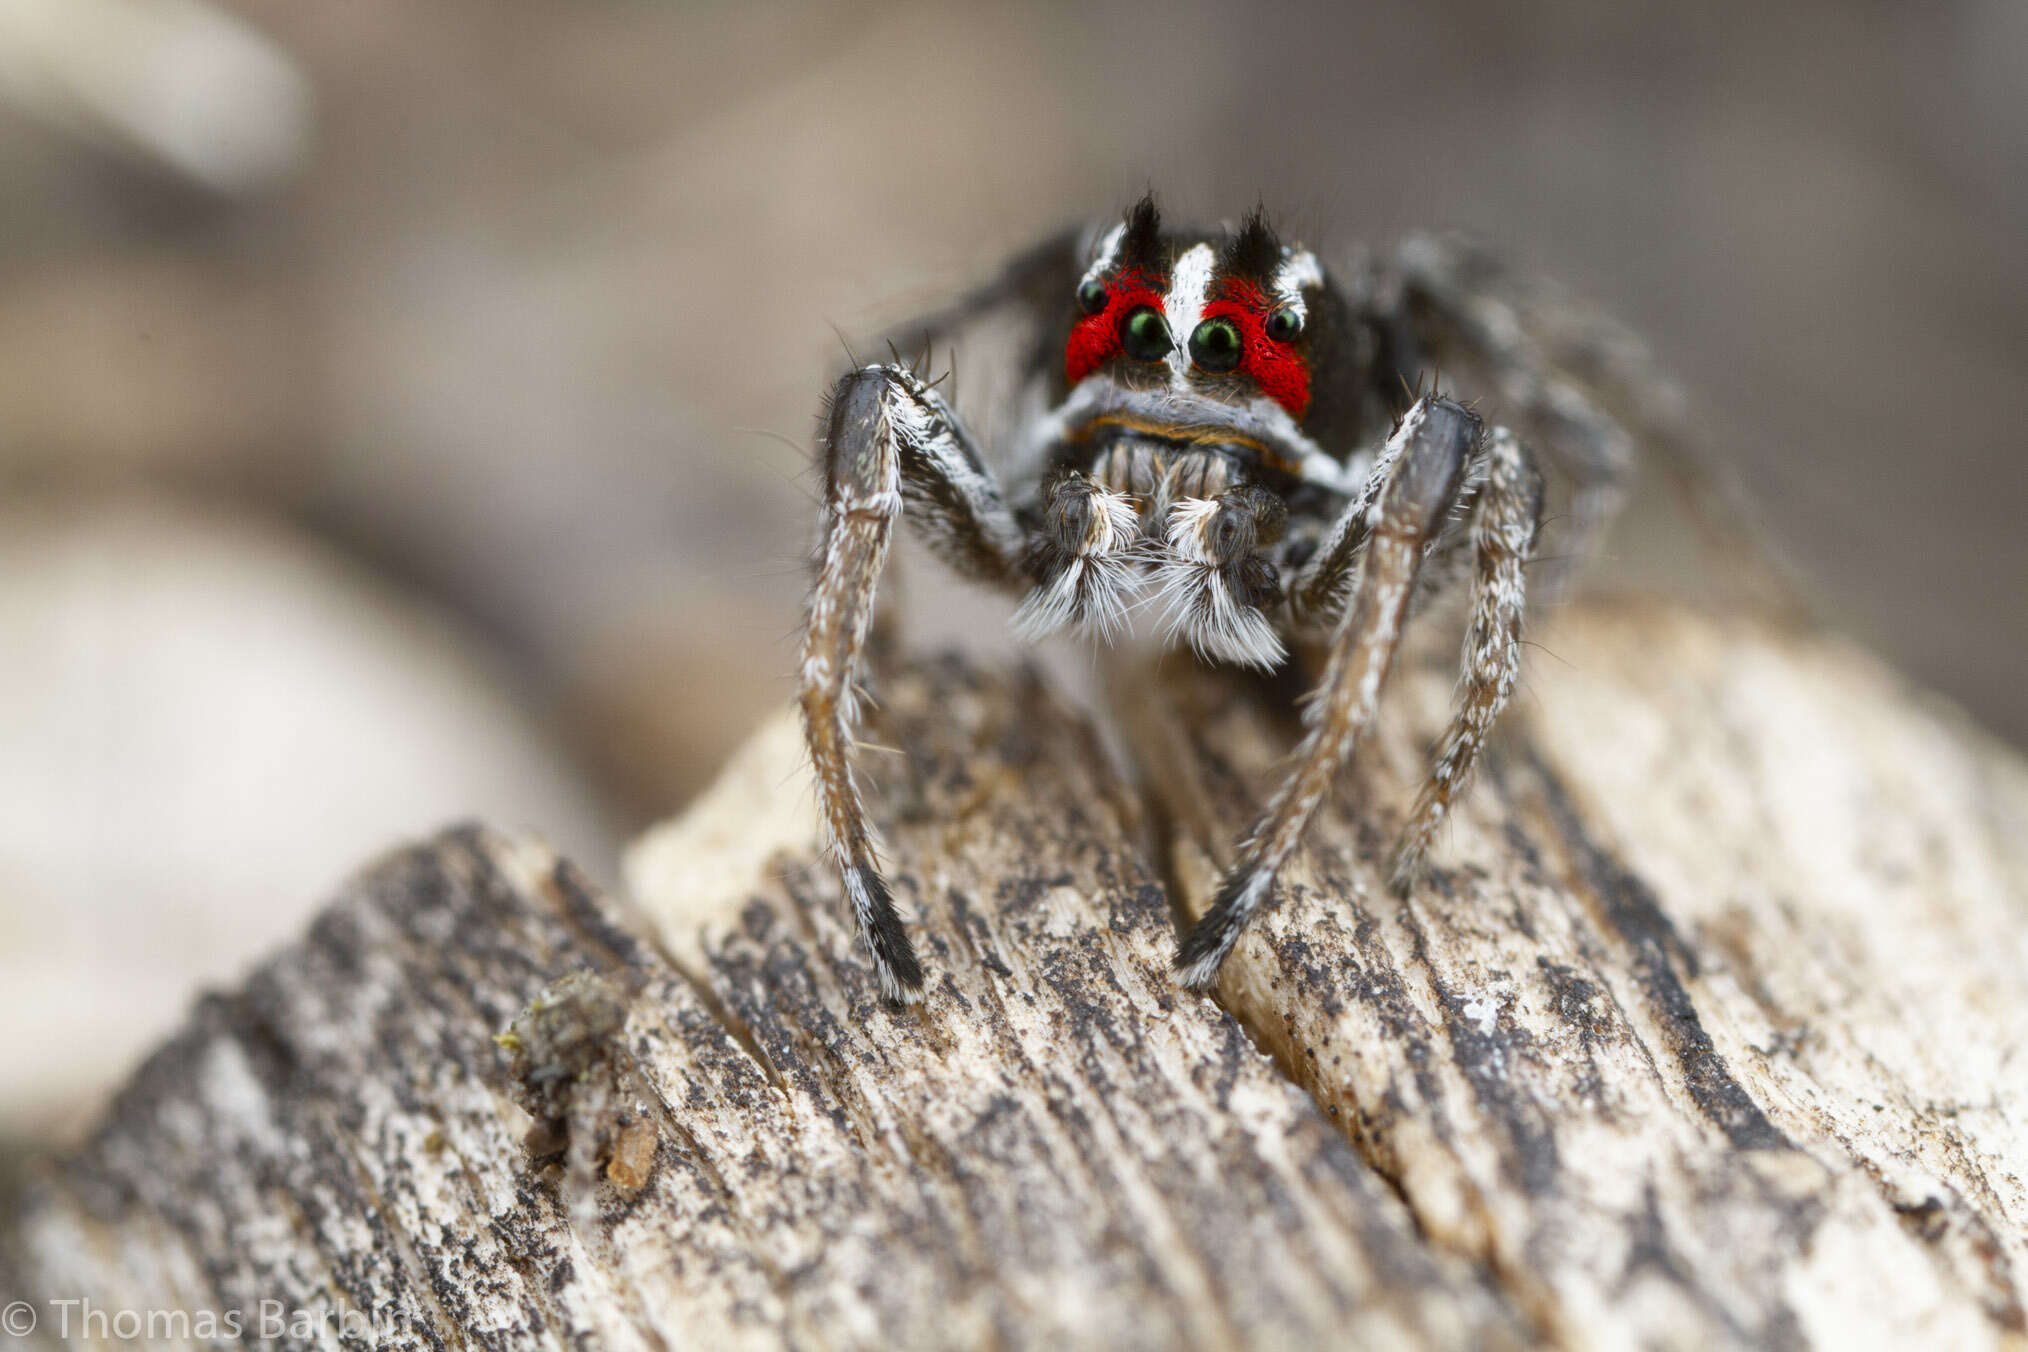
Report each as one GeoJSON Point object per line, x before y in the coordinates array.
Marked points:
{"type": "Point", "coordinates": [1705, 1032]}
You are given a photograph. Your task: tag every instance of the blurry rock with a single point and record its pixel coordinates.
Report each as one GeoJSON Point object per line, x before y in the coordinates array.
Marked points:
{"type": "Point", "coordinates": [175, 83]}
{"type": "Point", "coordinates": [200, 714]}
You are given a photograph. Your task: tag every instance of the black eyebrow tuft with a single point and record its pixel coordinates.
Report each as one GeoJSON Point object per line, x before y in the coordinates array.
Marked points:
{"type": "Point", "coordinates": [1141, 246]}
{"type": "Point", "coordinates": [1255, 251]}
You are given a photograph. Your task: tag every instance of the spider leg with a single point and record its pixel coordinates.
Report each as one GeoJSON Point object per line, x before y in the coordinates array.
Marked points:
{"type": "Point", "coordinates": [1503, 526]}
{"type": "Point", "coordinates": [889, 440]}
{"type": "Point", "coordinates": [1322, 587]}
{"type": "Point", "coordinates": [1419, 476]}
{"type": "Point", "coordinates": [1571, 380]}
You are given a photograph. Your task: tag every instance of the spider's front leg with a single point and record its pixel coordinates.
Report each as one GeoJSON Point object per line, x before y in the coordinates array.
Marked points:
{"type": "Point", "coordinates": [889, 439]}
{"type": "Point", "coordinates": [1415, 483]}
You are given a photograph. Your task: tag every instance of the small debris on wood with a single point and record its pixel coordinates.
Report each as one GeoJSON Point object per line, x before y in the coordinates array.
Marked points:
{"type": "Point", "coordinates": [571, 1070]}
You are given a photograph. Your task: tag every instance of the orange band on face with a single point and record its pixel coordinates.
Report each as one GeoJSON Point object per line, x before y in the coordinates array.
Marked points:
{"type": "Point", "coordinates": [1193, 436]}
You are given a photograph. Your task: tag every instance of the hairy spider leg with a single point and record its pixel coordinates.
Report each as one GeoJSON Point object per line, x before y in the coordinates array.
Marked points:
{"type": "Point", "coordinates": [1504, 520]}
{"type": "Point", "coordinates": [1420, 473]}
{"type": "Point", "coordinates": [1322, 591]}
{"type": "Point", "coordinates": [1457, 296]}
{"type": "Point", "coordinates": [889, 440]}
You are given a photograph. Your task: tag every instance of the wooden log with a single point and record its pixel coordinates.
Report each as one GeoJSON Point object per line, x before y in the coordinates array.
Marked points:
{"type": "Point", "coordinates": [1705, 1032]}
{"type": "Point", "coordinates": [1706, 1029]}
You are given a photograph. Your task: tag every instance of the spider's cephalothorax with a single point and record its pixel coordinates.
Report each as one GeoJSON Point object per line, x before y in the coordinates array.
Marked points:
{"type": "Point", "coordinates": [1197, 438]}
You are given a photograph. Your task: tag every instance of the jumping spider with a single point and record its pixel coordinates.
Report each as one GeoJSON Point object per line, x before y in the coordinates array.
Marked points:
{"type": "Point", "coordinates": [1208, 422]}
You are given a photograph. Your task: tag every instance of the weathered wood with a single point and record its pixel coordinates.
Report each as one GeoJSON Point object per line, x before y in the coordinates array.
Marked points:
{"type": "Point", "coordinates": [1705, 1032]}
{"type": "Point", "coordinates": [1062, 1148]}
{"type": "Point", "coordinates": [1707, 1029]}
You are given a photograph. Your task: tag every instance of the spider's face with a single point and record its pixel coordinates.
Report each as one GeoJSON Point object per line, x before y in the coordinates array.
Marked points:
{"type": "Point", "coordinates": [1195, 339]}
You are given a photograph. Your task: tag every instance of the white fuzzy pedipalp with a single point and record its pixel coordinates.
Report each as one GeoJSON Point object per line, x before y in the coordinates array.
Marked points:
{"type": "Point", "coordinates": [1197, 602]}
{"type": "Point", "coordinates": [1098, 587]}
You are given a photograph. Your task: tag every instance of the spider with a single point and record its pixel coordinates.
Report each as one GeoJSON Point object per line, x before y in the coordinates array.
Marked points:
{"type": "Point", "coordinates": [1202, 436]}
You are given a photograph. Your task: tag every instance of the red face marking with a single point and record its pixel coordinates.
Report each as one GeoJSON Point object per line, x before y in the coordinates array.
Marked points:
{"type": "Point", "coordinates": [1277, 368]}
{"type": "Point", "coordinates": [1096, 338]}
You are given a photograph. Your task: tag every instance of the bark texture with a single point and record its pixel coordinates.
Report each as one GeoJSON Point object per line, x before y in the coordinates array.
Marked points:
{"type": "Point", "coordinates": [1705, 1031]}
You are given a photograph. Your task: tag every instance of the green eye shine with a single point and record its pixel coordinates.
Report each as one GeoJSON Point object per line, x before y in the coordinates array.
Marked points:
{"type": "Point", "coordinates": [1283, 325]}
{"type": "Point", "coordinates": [1215, 345]}
{"type": "Point", "coordinates": [1091, 297]}
{"type": "Point", "coordinates": [1144, 334]}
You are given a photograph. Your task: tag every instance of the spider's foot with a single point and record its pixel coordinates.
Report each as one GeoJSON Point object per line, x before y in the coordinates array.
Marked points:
{"type": "Point", "coordinates": [1409, 857]}
{"type": "Point", "coordinates": [880, 928]}
{"type": "Point", "coordinates": [1210, 941]}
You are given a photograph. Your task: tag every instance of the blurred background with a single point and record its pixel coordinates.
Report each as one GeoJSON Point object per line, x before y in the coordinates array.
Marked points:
{"type": "Point", "coordinates": [403, 406]}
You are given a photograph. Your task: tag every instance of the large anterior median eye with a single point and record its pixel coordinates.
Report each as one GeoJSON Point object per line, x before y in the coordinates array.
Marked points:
{"type": "Point", "coordinates": [1145, 334]}
{"type": "Point", "coordinates": [1215, 345]}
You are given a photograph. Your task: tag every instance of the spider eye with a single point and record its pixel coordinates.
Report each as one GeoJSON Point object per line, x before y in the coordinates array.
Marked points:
{"type": "Point", "coordinates": [1091, 297]}
{"type": "Point", "coordinates": [1284, 325]}
{"type": "Point", "coordinates": [1215, 345]}
{"type": "Point", "coordinates": [1145, 334]}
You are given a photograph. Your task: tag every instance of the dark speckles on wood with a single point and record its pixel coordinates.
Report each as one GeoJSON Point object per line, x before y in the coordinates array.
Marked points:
{"type": "Point", "coordinates": [1528, 1046]}
{"type": "Point", "coordinates": [1055, 1148]}
{"type": "Point", "coordinates": [1632, 910]}
{"type": "Point", "coordinates": [1052, 1136]}
{"type": "Point", "coordinates": [1575, 1000]}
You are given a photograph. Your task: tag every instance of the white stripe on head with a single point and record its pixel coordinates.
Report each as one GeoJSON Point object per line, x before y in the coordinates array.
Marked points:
{"type": "Point", "coordinates": [1299, 270]}
{"type": "Point", "coordinates": [1189, 289]}
{"type": "Point", "coordinates": [1108, 254]}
